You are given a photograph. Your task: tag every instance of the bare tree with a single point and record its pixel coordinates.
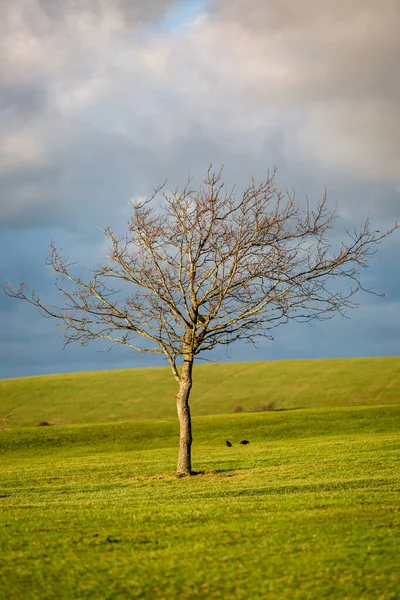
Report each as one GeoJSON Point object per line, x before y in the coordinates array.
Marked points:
{"type": "Point", "coordinates": [204, 268]}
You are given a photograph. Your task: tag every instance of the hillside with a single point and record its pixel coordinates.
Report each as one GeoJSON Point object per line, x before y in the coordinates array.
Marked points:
{"type": "Point", "coordinates": [309, 509]}
{"type": "Point", "coordinates": [103, 396]}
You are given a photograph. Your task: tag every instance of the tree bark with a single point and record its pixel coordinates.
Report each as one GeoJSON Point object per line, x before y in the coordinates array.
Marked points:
{"type": "Point", "coordinates": [185, 424]}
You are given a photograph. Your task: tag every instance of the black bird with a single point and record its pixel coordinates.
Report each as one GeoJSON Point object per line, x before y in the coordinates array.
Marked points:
{"type": "Point", "coordinates": [228, 443]}
{"type": "Point", "coordinates": [245, 442]}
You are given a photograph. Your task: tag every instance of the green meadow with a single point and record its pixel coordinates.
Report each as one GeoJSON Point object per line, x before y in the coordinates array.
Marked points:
{"type": "Point", "coordinates": [309, 509]}
{"type": "Point", "coordinates": [109, 396]}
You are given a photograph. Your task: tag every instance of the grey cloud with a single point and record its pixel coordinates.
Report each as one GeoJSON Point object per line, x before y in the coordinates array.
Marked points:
{"type": "Point", "coordinates": [99, 104]}
{"type": "Point", "coordinates": [337, 68]}
{"type": "Point", "coordinates": [24, 100]}
{"type": "Point", "coordinates": [133, 13]}
{"type": "Point", "coordinates": [90, 178]}
{"type": "Point", "coordinates": [191, 101]}
{"type": "Point", "coordinates": [355, 198]}
{"type": "Point", "coordinates": [41, 16]}
{"type": "Point", "coordinates": [383, 277]}
{"type": "Point", "coordinates": [316, 16]}
{"type": "Point", "coordinates": [65, 40]}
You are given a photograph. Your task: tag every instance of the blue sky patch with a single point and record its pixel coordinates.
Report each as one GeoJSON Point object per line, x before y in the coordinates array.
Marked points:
{"type": "Point", "coordinates": [183, 14]}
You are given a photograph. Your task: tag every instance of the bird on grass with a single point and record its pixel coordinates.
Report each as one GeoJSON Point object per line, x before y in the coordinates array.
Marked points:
{"type": "Point", "coordinates": [245, 442]}
{"type": "Point", "coordinates": [228, 443]}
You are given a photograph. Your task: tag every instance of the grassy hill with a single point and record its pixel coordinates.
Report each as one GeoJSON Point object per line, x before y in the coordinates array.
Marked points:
{"type": "Point", "coordinates": [107, 396]}
{"type": "Point", "coordinates": [310, 509]}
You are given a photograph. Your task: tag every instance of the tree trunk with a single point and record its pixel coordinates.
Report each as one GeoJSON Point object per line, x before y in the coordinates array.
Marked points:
{"type": "Point", "coordinates": [185, 424]}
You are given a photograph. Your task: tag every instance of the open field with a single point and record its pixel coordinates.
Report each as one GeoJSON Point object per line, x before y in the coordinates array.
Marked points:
{"type": "Point", "coordinates": [107, 396]}
{"type": "Point", "coordinates": [310, 509]}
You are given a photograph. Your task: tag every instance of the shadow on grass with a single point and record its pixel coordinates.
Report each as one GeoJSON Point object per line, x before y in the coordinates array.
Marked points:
{"type": "Point", "coordinates": [211, 472]}
{"type": "Point", "coordinates": [286, 409]}
{"type": "Point", "coordinates": [339, 486]}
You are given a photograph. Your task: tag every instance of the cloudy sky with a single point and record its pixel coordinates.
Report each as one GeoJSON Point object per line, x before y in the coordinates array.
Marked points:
{"type": "Point", "coordinates": [101, 100]}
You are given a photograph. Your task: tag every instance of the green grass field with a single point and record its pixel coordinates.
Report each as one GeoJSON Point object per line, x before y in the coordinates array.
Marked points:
{"type": "Point", "coordinates": [310, 509]}
{"type": "Point", "coordinates": [109, 396]}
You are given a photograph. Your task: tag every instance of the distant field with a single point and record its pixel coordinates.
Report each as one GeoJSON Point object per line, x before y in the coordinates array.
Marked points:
{"type": "Point", "coordinates": [107, 396]}
{"type": "Point", "coordinates": [309, 510]}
